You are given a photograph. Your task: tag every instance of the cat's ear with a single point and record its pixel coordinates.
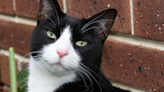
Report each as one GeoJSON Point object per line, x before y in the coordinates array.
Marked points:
{"type": "Point", "coordinates": [103, 22]}
{"type": "Point", "coordinates": [48, 8]}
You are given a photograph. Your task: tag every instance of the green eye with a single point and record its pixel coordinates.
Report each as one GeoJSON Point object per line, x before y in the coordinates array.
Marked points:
{"type": "Point", "coordinates": [81, 43]}
{"type": "Point", "coordinates": [51, 35]}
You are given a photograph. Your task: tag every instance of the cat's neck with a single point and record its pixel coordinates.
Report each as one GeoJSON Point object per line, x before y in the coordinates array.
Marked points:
{"type": "Point", "coordinates": [42, 81]}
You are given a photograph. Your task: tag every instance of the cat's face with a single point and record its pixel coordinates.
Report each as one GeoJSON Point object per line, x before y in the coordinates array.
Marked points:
{"type": "Point", "coordinates": [62, 44]}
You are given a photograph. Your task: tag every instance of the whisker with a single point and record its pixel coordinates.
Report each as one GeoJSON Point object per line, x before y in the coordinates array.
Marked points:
{"type": "Point", "coordinates": [83, 71]}
{"type": "Point", "coordinates": [22, 64]}
{"type": "Point", "coordinates": [53, 26]}
{"type": "Point", "coordinates": [42, 65]}
{"type": "Point", "coordinates": [93, 78]}
{"type": "Point", "coordinates": [86, 25]}
{"type": "Point", "coordinates": [38, 56]}
{"type": "Point", "coordinates": [56, 13]}
{"type": "Point", "coordinates": [32, 53]}
{"type": "Point", "coordinates": [98, 21]}
{"type": "Point", "coordinates": [85, 83]}
{"type": "Point", "coordinates": [92, 28]}
{"type": "Point", "coordinates": [8, 74]}
{"type": "Point", "coordinates": [22, 74]}
{"type": "Point", "coordinates": [94, 73]}
{"type": "Point", "coordinates": [47, 17]}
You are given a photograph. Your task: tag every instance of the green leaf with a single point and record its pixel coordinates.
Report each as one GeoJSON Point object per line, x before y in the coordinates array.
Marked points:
{"type": "Point", "coordinates": [24, 89]}
{"type": "Point", "coordinates": [22, 77]}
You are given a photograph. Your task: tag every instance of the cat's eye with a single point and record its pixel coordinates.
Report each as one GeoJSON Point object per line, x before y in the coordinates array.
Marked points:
{"type": "Point", "coordinates": [51, 35]}
{"type": "Point", "coordinates": [81, 43]}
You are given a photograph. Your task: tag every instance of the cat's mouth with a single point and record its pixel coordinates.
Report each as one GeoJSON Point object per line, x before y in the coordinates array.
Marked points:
{"type": "Point", "coordinates": [59, 65]}
{"type": "Point", "coordinates": [56, 64]}
{"type": "Point", "coordinates": [60, 69]}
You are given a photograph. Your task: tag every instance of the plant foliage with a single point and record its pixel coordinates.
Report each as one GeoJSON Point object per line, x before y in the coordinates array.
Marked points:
{"type": "Point", "coordinates": [22, 77]}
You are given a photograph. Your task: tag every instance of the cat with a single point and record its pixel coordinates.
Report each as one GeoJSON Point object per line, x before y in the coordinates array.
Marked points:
{"type": "Point", "coordinates": [66, 51]}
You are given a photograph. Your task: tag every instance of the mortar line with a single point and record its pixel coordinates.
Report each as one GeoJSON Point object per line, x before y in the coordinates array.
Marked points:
{"type": "Point", "coordinates": [17, 56]}
{"type": "Point", "coordinates": [18, 19]}
{"type": "Point", "coordinates": [134, 40]}
{"type": "Point", "coordinates": [65, 6]}
{"type": "Point", "coordinates": [132, 16]}
{"type": "Point", "coordinates": [18, 66]}
{"type": "Point", "coordinates": [127, 87]}
{"type": "Point", "coordinates": [14, 6]}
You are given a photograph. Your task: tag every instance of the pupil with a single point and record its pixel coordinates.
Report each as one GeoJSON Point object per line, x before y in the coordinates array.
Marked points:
{"type": "Point", "coordinates": [51, 34]}
{"type": "Point", "coordinates": [81, 42]}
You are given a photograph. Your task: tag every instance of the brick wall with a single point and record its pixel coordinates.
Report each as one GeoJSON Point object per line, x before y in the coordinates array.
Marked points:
{"type": "Point", "coordinates": [133, 56]}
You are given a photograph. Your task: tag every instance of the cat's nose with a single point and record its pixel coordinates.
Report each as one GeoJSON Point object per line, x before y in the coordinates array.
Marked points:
{"type": "Point", "coordinates": [62, 53]}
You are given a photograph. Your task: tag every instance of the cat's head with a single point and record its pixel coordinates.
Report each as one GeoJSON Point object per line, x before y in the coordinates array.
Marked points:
{"type": "Point", "coordinates": [61, 43]}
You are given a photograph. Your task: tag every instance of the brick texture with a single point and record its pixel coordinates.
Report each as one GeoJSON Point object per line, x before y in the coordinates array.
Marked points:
{"type": "Point", "coordinates": [88, 8]}
{"type": "Point", "coordinates": [4, 65]}
{"type": "Point", "coordinates": [6, 6]}
{"type": "Point", "coordinates": [1, 85]}
{"type": "Point", "coordinates": [24, 65]}
{"type": "Point", "coordinates": [1, 88]}
{"type": "Point", "coordinates": [29, 8]}
{"type": "Point", "coordinates": [148, 19]}
{"type": "Point", "coordinates": [6, 89]}
{"type": "Point", "coordinates": [5, 72]}
{"type": "Point", "coordinates": [134, 65]}
{"type": "Point", "coordinates": [15, 35]}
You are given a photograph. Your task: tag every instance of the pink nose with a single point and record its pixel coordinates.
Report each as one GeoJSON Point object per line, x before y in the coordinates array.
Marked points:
{"type": "Point", "coordinates": [62, 53]}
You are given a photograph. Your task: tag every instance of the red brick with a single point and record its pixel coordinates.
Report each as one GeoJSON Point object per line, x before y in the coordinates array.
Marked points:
{"type": "Point", "coordinates": [61, 4]}
{"type": "Point", "coordinates": [29, 8]}
{"type": "Point", "coordinates": [15, 35]}
{"type": "Point", "coordinates": [1, 86]}
{"type": "Point", "coordinates": [148, 19]}
{"type": "Point", "coordinates": [88, 8]}
{"type": "Point", "coordinates": [6, 6]}
{"type": "Point", "coordinates": [5, 72]}
{"type": "Point", "coordinates": [133, 65]}
{"type": "Point", "coordinates": [6, 89]}
{"type": "Point", "coordinates": [24, 65]}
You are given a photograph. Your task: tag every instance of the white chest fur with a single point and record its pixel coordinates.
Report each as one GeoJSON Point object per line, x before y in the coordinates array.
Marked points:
{"type": "Point", "coordinates": [40, 80]}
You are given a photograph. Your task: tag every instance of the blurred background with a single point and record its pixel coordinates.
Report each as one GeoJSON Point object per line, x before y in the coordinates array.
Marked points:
{"type": "Point", "coordinates": [133, 56]}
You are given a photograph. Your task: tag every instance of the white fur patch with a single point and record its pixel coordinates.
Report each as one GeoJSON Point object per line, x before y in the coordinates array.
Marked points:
{"type": "Point", "coordinates": [46, 74]}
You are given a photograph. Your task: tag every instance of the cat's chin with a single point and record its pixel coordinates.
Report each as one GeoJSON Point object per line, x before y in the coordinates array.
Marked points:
{"type": "Point", "coordinates": [59, 69]}
{"type": "Point", "coordinates": [61, 72]}
{"type": "Point", "coordinates": [53, 68]}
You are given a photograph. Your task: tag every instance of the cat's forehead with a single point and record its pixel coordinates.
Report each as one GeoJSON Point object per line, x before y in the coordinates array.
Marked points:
{"type": "Point", "coordinates": [73, 22]}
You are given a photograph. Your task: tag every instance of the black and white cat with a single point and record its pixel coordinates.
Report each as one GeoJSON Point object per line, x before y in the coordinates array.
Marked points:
{"type": "Point", "coordinates": [66, 51]}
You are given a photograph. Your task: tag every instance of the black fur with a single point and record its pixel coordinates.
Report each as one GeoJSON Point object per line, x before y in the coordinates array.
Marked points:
{"type": "Point", "coordinates": [91, 53]}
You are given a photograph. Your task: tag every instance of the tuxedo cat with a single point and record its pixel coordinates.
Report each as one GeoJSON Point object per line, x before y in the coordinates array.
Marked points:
{"type": "Point", "coordinates": [66, 51]}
